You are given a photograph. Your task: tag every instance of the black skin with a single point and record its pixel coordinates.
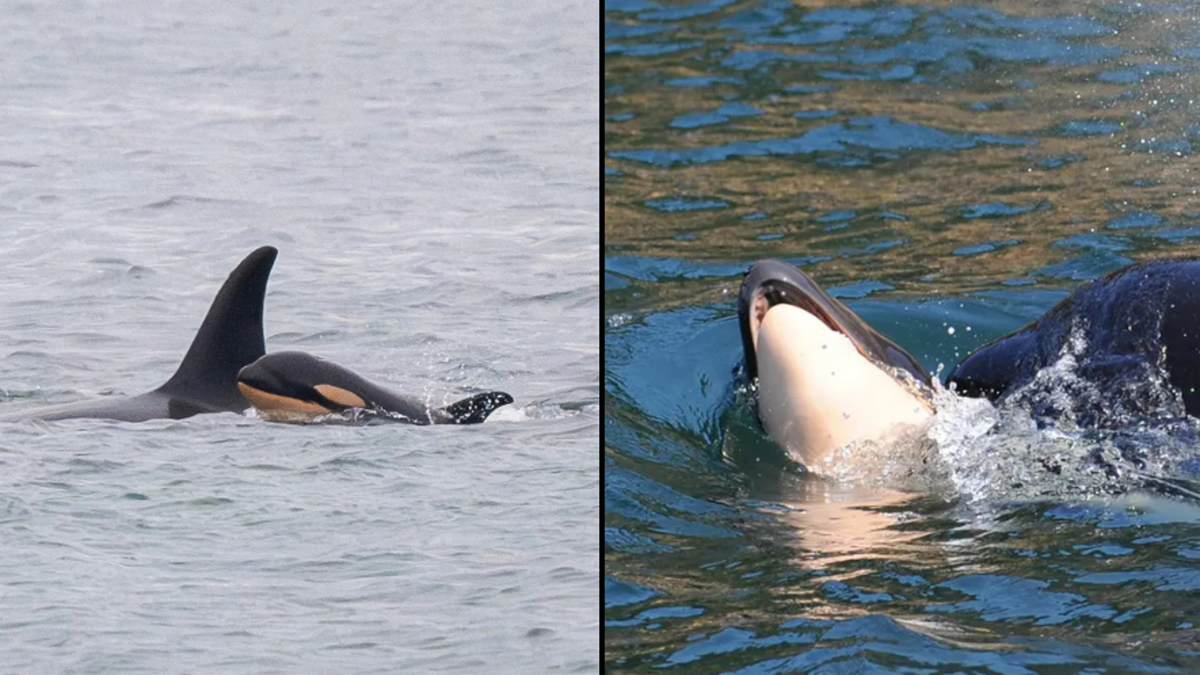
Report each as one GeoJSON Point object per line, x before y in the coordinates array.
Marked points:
{"type": "Point", "coordinates": [296, 374]}
{"type": "Point", "coordinates": [1137, 322]}
{"type": "Point", "coordinates": [780, 283]}
{"type": "Point", "coordinates": [230, 338]}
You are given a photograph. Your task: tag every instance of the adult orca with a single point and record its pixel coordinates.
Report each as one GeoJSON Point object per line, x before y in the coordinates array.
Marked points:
{"type": "Point", "coordinates": [230, 338]}
{"type": "Point", "coordinates": [294, 386]}
{"type": "Point", "coordinates": [825, 377]}
{"type": "Point", "coordinates": [1133, 342]}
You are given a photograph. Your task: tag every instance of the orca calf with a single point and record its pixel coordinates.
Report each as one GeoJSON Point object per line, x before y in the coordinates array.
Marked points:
{"type": "Point", "coordinates": [1133, 337]}
{"type": "Point", "coordinates": [296, 387]}
{"type": "Point", "coordinates": [230, 338]}
{"type": "Point", "coordinates": [825, 377]}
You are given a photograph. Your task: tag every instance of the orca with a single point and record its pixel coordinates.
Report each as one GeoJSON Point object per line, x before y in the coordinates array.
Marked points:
{"type": "Point", "coordinates": [299, 387]}
{"type": "Point", "coordinates": [825, 377]}
{"type": "Point", "coordinates": [230, 338]}
{"type": "Point", "coordinates": [1133, 341]}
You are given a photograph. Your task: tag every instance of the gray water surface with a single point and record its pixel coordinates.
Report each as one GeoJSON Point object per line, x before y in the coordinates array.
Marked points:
{"type": "Point", "coordinates": [426, 172]}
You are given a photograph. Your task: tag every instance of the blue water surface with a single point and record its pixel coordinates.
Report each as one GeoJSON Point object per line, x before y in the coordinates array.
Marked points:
{"type": "Point", "coordinates": [950, 172]}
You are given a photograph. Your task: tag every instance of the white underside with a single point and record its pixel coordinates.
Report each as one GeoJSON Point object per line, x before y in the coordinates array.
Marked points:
{"type": "Point", "coordinates": [817, 393]}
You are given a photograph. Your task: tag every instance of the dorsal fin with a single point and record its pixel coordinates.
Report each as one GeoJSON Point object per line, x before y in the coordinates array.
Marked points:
{"type": "Point", "coordinates": [476, 409]}
{"type": "Point", "coordinates": [230, 337]}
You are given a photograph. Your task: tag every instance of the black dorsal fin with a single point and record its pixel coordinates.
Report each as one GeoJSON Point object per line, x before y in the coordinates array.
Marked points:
{"type": "Point", "coordinates": [476, 409]}
{"type": "Point", "coordinates": [230, 337]}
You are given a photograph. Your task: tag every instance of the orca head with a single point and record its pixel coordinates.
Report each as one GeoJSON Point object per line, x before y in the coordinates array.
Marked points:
{"type": "Point", "coordinates": [296, 386]}
{"type": "Point", "coordinates": [825, 377]}
{"type": "Point", "coordinates": [771, 282]}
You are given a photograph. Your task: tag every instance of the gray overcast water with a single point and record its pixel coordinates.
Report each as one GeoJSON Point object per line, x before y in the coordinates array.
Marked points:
{"type": "Point", "coordinates": [427, 172]}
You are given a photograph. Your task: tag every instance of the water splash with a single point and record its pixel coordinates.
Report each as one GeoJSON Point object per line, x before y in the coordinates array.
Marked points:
{"type": "Point", "coordinates": [1030, 447]}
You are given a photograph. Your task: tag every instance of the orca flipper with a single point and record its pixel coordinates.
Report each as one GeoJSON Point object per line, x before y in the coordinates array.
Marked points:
{"type": "Point", "coordinates": [473, 410]}
{"type": "Point", "coordinates": [230, 337]}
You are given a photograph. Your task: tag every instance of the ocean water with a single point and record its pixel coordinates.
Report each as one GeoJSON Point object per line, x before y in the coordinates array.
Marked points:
{"type": "Point", "coordinates": [950, 171]}
{"type": "Point", "coordinates": [427, 174]}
